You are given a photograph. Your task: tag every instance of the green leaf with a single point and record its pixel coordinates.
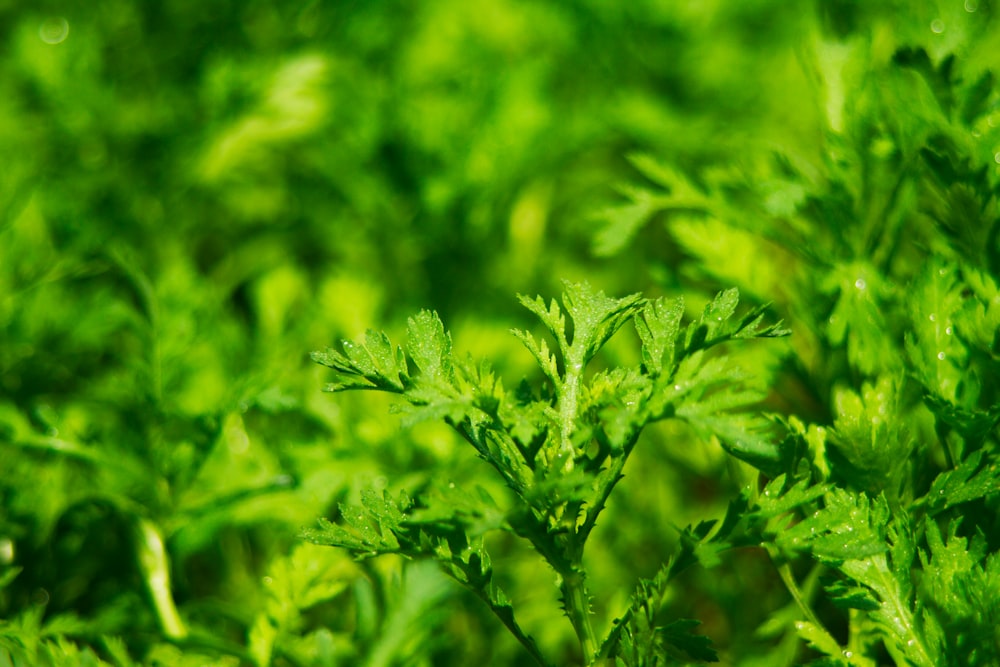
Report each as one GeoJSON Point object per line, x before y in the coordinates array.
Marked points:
{"type": "Point", "coordinates": [870, 445]}
{"type": "Point", "coordinates": [540, 351]}
{"type": "Point", "coordinates": [846, 596]}
{"type": "Point", "coordinates": [551, 316]}
{"type": "Point", "coordinates": [596, 318]}
{"type": "Point", "coordinates": [971, 480]}
{"type": "Point", "coordinates": [716, 324]}
{"type": "Point", "coordinates": [960, 587]}
{"type": "Point", "coordinates": [858, 318]}
{"type": "Point", "coordinates": [849, 527]}
{"type": "Point", "coordinates": [939, 356]}
{"type": "Point", "coordinates": [709, 396]}
{"type": "Point", "coordinates": [622, 222]}
{"type": "Point", "coordinates": [777, 498]}
{"type": "Point", "coordinates": [371, 364]}
{"type": "Point", "coordinates": [372, 529]}
{"type": "Point", "coordinates": [293, 584]}
{"type": "Point", "coordinates": [658, 326]}
{"type": "Point", "coordinates": [430, 347]}
{"type": "Point", "coordinates": [820, 640]}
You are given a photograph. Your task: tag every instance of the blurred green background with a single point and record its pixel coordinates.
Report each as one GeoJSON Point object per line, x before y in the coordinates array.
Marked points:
{"type": "Point", "coordinates": [194, 195]}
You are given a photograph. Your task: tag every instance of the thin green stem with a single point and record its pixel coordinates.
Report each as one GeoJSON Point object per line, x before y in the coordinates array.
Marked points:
{"type": "Point", "coordinates": [577, 603]}
{"type": "Point", "coordinates": [155, 567]}
{"type": "Point", "coordinates": [567, 407]}
{"type": "Point", "coordinates": [785, 572]}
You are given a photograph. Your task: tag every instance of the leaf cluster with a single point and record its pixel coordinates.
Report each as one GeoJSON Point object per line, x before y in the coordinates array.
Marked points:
{"type": "Point", "coordinates": [560, 448]}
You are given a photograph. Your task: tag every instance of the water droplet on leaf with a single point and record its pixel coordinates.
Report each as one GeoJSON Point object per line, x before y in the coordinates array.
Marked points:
{"type": "Point", "coordinates": [54, 30]}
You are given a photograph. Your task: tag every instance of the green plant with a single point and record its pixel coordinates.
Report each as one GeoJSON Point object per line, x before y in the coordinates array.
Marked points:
{"type": "Point", "coordinates": [560, 448]}
{"type": "Point", "coordinates": [853, 499]}
{"type": "Point", "coordinates": [883, 249]}
{"type": "Point", "coordinates": [194, 194]}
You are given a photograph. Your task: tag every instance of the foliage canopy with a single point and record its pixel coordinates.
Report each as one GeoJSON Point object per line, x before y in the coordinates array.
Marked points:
{"type": "Point", "coordinates": [194, 195]}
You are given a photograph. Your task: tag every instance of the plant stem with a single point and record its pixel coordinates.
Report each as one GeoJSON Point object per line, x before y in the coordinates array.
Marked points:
{"type": "Point", "coordinates": [577, 603]}
{"type": "Point", "coordinates": [155, 567]}
{"type": "Point", "coordinates": [785, 572]}
{"type": "Point", "coordinates": [567, 407]}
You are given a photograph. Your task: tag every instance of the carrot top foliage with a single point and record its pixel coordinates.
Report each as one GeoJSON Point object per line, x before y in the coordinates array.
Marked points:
{"type": "Point", "coordinates": [752, 419]}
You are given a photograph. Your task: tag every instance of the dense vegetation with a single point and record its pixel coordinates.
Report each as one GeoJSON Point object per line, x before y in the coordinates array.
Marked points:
{"type": "Point", "coordinates": [195, 196]}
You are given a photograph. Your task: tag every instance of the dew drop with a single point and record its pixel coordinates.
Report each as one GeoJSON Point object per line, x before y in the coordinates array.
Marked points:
{"type": "Point", "coordinates": [6, 551]}
{"type": "Point", "coordinates": [848, 654]}
{"type": "Point", "coordinates": [911, 642]}
{"type": "Point", "coordinates": [933, 317]}
{"type": "Point", "coordinates": [937, 26]}
{"type": "Point", "coordinates": [860, 283]}
{"type": "Point", "coordinates": [54, 30]}
{"type": "Point", "coordinates": [268, 581]}
{"type": "Point", "coordinates": [996, 158]}
{"type": "Point", "coordinates": [940, 356]}
{"type": "Point", "coordinates": [677, 387]}
{"type": "Point", "coordinates": [971, 5]}
{"type": "Point", "coordinates": [948, 331]}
